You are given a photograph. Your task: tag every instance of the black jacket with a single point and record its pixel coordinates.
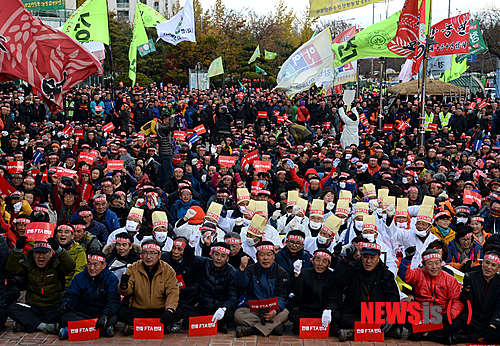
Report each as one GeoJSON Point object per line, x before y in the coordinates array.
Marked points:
{"type": "Point", "coordinates": [315, 290]}
{"type": "Point", "coordinates": [223, 121]}
{"type": "Point", "coordinates": [165, 139]}
{"type": "Point", "coordinates": [25, 113]}
{"type": "Point", "coordinates": [235, 261]}
{"type": "Point", "coordinates": [188, 275]}
{"type": "Point", "coordinates": [139, 116]}
{"type": "Point", "coordinates": [485, 307]}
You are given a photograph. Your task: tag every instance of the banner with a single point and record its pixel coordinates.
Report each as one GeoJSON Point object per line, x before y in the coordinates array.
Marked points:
{"type": "Point", "coordinates": [452, 35]}
{"type": "Point", "coordinates": [405, 42]}
{"type": "Point", "coordinates": [476, 42]}
{"type": "Point", "coordinates": [115, 165]}
{"type": "Point", "coordinates": [471, 196]}
{"type": "Point", "coordinates": [255, 55]}
{"type": "Point", "coordinates": [89, 22]}
{"type": "Point", "coordinates": [150, 17]}
{"type": "Point", "coordinates": [256, 187]}
{"type": "Point", "coordinates": [39, 231]}
{"type": "Point", "coordinates": [262, 166]}
{"type": "Point", "coordinates": [319, 8]}
{"type": "Point", "coordinates": [202, 326]}
{"type": "Point", "coordinates": [82, 330]}
{"type": "Point", "coordinates": [256, 305]}
{"type": "Point", "coordinates": [87, 158]}
{"type": "Point", "coordinates": [14, 167]}
{"type": "Point", "coordinates": [70, 128]}
{"type": "Point", "coordinates": [108, 127]}
{"type": "Point", "coordinates": [215, 68]}
{"type": "Point", "coordinates": [227, 161]}
{"type": "Point", "coordinates": [261, 115]}
{"type": "Point", "coordinates": [145, 49]}
{"type": "Point", "coordinates": [367, 332]}
{"type": "Point", "coordinates": [44, 5]}
{"type": "Point", "coordinates": [180, 27]}
{"type": "Point", "coordinates": [180, 135]}
{"type": "Point", "coordinates": [269, 55]}
{"type": "Point", "coordinates": [312, 328]}
{"type": "Point", "coordinates": [64, 172]}
{"type": "Point", "coordinates": [302, 69]}
{"type": "Point", "coordinates": [200, 129]}
{"type": "Point", "coordinates": [139, 37]}
{"type": "Point", "coordinates": [148, 328]}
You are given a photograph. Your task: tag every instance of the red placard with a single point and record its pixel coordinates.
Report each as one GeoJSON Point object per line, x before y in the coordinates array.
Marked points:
{"type": "Point", "coordinates": [15, 167]}
{"type": "Point", "coordinates": [471, 196]}
{"type": "Point", "coordinates": [327, 125]}
{"type": "Point", "coordinates": [98, 108]}
{"type": "Point", "coordinates": [180, 135]}
{"type": "Point", "coordinates": [86, 157]}
{"type": "Point", "coordinates": [115, 165]}
{"type": "Point", "coordinates": [472, 105]}
{"type": "Point", "coordinates": [227, 161]}
{"type": "Point", "coordinates": [367, 332]}
{"type": "Point", "coordinates": [481, 104]}
{"type": "Point", "coordinates": [256, 187]}
{"type": "Point", "coordinates": [39, 231]}
{"type": "Point", "coordinates": [108, 127]}
{"type": "Point", "coordinates": [180, 282]}
{"type": "Point", "coordinates": [433, 127]}
{"type": "Point", "coordinates": [281, 118]}
{"type": "Point", "coordinates": [262, 166]}
{"type": "Point", "coordinates": [452, 35]}
{"type": "Point", "coordinates": [427, 327]}
{"type": "Point", "coordinates": [34, 172]}
{"type": "Point", "coordinates": [388, 127]}
{"type": "Point", "coordinates": [64, 172]}
{"type": "Point", "coordinates": [82, 330]}
{"type": "Point", "coordinates": [202, 326]}
{"type": "Point", "coordinates": [262, 115]}
{"type": "Point", "coordinates": [86, 191]}
{"type": "Point", "coordinates": [148, 328]}
{"type": "Point", "coordinates": [200, 129]}
{"type": "Point", "coordinates": [276, 112]}
{"type": "Point", "coordinates": [411, 158]}
{"type": "Point", "coordinates": [84, 106]}
{"type": "Point", "coordinates": [189, 133]}
{"type": "Point", "coordinates": [68, 129]}
{"type": "Point", "coordinates": [337, 89]}
{"type": "Point", "coordinates": [271, 304]}
{"type": "Point", "coordinates": [79, 134]}
{"type": "Point", "coordinates": [311, 328]}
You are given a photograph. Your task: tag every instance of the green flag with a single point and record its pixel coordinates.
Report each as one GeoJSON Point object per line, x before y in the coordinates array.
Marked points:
{"type": "Point", "coordinates": [476, 42]}
{"type": "Point", "coordinates": [215, 68]}
{"type": "Point", "coordinates": [139, 38]}
{"type": "Point", "coordinates": [269, 55]}
{"type": "Point", "coordinates": [255, 55]}
{"type": "Point", "coordinates": [260, 70]}
{"type": "Point", "coordinates": [145, 49]}
{"type": "Point", "coordinates": [150, 17]}
{"type": "Point", "coordinates": [456, 70]}
{"type": "Point", "coordinates": [242, 87]}
{"type": "Point", "coordinates": [89, 22]}
{"type": "Point", "coordinates": [370, 42]}
{"type": "Point", "coordinates": [315, 33]}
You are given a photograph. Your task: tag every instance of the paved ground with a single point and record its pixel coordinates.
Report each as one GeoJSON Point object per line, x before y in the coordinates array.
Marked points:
{"type": "Point", "coordinates": [181, 339]}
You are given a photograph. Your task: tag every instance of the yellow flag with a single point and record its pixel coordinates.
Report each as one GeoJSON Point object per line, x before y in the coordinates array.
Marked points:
{"type": "Point", "coordinates": [319, 8]}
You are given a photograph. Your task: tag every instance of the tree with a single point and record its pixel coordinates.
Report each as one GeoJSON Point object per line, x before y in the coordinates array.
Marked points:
{"type": "Point", "coordinates": [489, 21]}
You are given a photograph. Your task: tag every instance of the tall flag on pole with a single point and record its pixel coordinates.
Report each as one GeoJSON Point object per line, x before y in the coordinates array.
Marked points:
{"type": "Point", "coordinates": [215, 68]}
{"type": "Point", "coordinates": [139, 37]}
{"type": "Point", "coordinates": [45, 58]}
{"type": "Point", "coordinates": [452, 35]}
{"type": "Point", "coordinates": [260, 70]}
{"type": "Point", "coordinates": [418, 56]}
{"type": "Point", "coordinates": [150, 17]}
{"type": "Point", "coordinates": [269, 55]}
{"type": "Point", "coordinates": [405, 42]}
{"type": "Point", "coordinates": [319, 8]}
{"type": "Point", "coordinates": [255, 55]}
{"type": "Point", "coordinates": [89, 22]}
{"type": "Point", "coordinates": [180, 27]}
{"type": "Point", "coordinates": [476, 42]}
{"type": "Point", "coordinates": [457, 68]}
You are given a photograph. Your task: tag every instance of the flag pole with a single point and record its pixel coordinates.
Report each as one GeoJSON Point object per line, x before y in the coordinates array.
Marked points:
{"type": "Point", "coordinates": [380, 115]}
{"type": "Point", "coordinates": [421, 138]}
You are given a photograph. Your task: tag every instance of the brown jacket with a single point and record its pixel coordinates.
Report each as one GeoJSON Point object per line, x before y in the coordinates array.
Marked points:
{"type": "Point", "coordinates": [162, 292]}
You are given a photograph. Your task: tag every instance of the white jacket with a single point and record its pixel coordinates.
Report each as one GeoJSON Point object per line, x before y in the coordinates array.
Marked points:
{"type": "Point", "coordinates": [350, 132]}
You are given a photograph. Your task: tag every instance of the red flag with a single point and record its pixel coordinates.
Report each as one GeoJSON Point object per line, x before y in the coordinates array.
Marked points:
{"type": "Point", "coordinates": [422, 36]}
{"type": "Point", "coordinates": [345, 35]}
{"type": "Point", "coordinates": [5, 188]}
{"type": "Point", "coordinates": [47, 59]}
{"type": "Point", "coordinates": [405, 42]}
{"type": "Point", "coordinates": [452, 35]}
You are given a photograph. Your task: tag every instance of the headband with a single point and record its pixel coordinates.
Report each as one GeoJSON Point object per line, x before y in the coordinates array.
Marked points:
{"type": "Point", "coordinates": [100, 199]}
{"type": "Point", "coordinates": [125, 240]}
{"type": "Point", "coordinates": [66, 227]}
{"type": "Point", "coordinates": [296, 237]}
{"type": "Point", "coordinates": [431, 256]}
{"type": "Point", "coordinates": [462, 210]}
{"type": "Point", "coordinates": [106, 183]}
{"type": "Point", "coordinates": [413, 188]}
{"type": "Point", "coordinates": [85, 212]}
{"type": "Point", "coordinates": [370, 226]}
{"type": "Point", "coordinates": [470, 234]}
{"type": "Point", "coordinates": [327, 230]}
{"type": "Point", "coordinates": [139, 216]}
{"type": "Point", "coordinates": [179, 243]}
{"type": "Point", "coordinates": [477, 218]}
{"type": "Point", "coordinates": [122, 193]}
{"type": "Point", "coordinates": [265, 247]}
{"type": "Point", "coordinates": [232, 241]}
{"type": "Point", "coordinates": [206, 228]}
{"type": "Point", "coordinates": [492, 257]}
{"type": "Point", "coordinates": [441, 213]}
{"type": "Point", "coordinates": [178, 169]}
{"type": "Point", "coordinates": [220, 249]}
{"type": "Point", "coordinates": [320, 212]}
{"type": "Point", "coordinates": [79, 226]}
{"type": "Point", "coordinates": [96, 258]}
{"type": "Point", "coordinates": [30, 179]}
{"type": "Point", "coordinates": [22, 219]}
{"type": "Point", "coordinates": [366, 245]}
{"type": "Point", "coordinates": [42, 244]}
{"type": "Point", "coordinates": [160, 223]}
{"type": "Point", "coordinates": [341, 211]}
{"type": "Point", "coordinates": [215, 216]}
{"type": "Point", "coordinates": [151, 246]}
{"type": "Point", "coordinates": [323, 254]}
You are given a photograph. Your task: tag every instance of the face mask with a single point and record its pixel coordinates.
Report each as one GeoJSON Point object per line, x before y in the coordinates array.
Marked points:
{"type": "Point", "coordinates": [405, 180]}
{"type": "Point", "coordinates": [379, 211]}
{"type": "Point", "coordinates": [243, 210]}
{"type": "Point", "coordinates": [401, 224]}
{"type": "Point", "coordinates": [322, 240]}
{"type": "Point", "coordinates": [131, 226]}
{"type": "Point", "coordinates": [315, 225]}
{"type": "Point", "coordinates": [370, 237]}
{"type": "Point", "coordinates": [422, 233]}
{"type": "Point", "coordinates": [348, 156]}
{"type": "Point", "coordinates": [246, 222]}
{"type": "Point", "coordinates": [161, 236]}
{"type": "Point", "coordinates": [251, 242]}
{"type": "Point", "coordinates": [299, 219]}
{"type": "Point", "coordinates": [462, 220]}
{"type": "Point", "coordinates": [358, 225]}
{"type": "Point", "coordinates": [262, 182]}
{"type": "Point", "coordinates": [342, 185]}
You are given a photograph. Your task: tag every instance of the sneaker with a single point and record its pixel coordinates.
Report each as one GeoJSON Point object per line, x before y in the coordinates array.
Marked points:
{"type": "Point", "coordinates": [278, 330]}
{"type": "Point", "coordinates": [51, 328]}
{"type": "Point", "coordinates": [16, 327]}
{"type": "Point", "coordinates": [129, 330]}
{"type": "Point", "coordinates": [173, 328]}
{"type": "Point", "coordinates": [346, 334]}
{"type": "Point", "coordinates": [63, 334]}
{"type": "Point", "coordinates": [242, 331]}
{"type": "Point", "coordinates": [110, 331]}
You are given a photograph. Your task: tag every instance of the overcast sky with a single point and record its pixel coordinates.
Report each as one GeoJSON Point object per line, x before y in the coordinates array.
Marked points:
{"type": "Point", "coordinates": [360, 16]}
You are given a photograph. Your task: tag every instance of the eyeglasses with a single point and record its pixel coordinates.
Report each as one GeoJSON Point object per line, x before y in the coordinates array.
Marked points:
{"type": "Point", "coordinates": [150, 253]}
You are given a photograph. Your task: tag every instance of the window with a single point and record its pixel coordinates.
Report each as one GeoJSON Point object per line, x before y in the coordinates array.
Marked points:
{"type": "Point", "coordinates": [166, 6]}
{"type": "Point", "coordinates": [123, 15]}
{"type": "Point", "coordinates": [144, 2]}
{"type": "Point", "coordinates": [122, 3]}
{"type": "Point", "coordinates": [156, 5]}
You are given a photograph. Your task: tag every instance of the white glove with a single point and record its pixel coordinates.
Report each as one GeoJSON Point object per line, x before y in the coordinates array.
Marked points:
{"type": "Point", "coordinates": [204, 178]}
{"type": "Point", "coordinates": [295, 209]}
{"type": "Point", "coordinates": [194, 162]}
{"type": "Point", "coordinates": [297, 266]}
{"type": "Point", "coordinates": [59, 134]}
{"type": "Point", "coordinates": [278, 205]}
{"type": "Point", "coordinates": [374, 206]}
{"type": "Point", "coordinates": [330, 206]}
{"type": "Point", "coordinates": [219, 314]}
{"type": "Point", "coordinates": [364, 167]}
{"type": "Point", "coordinates": [17, 207]}
{"type": "Point", "coordinates": [66, 136]}
{"type": "Point", "coordinates": [276, 215]}
{"type": "Point", "coordinates": [238, 221]}
{"type": "Point", "coordinates": [326, 318]}
{"type": "Point", "coordinates": [335, 163]}
{"type": "Point", "coordinates": [390, 210]}
{"type": "Point", "coordinates": [5, 133]}
{"type": "Point", "coordinates": [293, 225]}
{"type": "Point", "coordinates": [190, 213]}
{"type": "Point", "coordinates": [408, 163]}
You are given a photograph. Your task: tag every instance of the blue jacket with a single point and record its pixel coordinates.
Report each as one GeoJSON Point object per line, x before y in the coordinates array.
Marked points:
{"type": "Point", "coordinates": [179, 209]}
{"type": "Point", "coordinates": [109, 220]}
{"type": "Point", "coordinates": [285, 259]}
{"type": "Point", "coordinates": [263, 283]}
{"type": "Point", "coordinates": [94, 296]}
{"type": "Point", "coordinates": [475, 252]}
{"type": "Point", "coordinates": [108, 106]}
{"type": "Point", "coordinates": [99, 230]}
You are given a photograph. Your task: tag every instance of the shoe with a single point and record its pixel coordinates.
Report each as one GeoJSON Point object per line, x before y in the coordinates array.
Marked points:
{"type": "Point", "coordinates": [222, 328]}
{"type": "Point", "coordinates": [16, 327]}
{"type": "Point", "coordinates": [459, 339]}
{"type": "Point", "coordinates": [110, 331]}
{"type": "Point", "coordinates": [51, 328]}
{"type": "Point", "coordinates": [441, 339]}
{"type": "Point", "coordinates": [63, 334]}
{"type": "Point", "coordinates": [242, 331]}
{"type": "Point", "coordinates": [173, 328]}
{"type": "Point", "coordinates": [278, 330]}
{"type": "Point", "coordinates": [129, 330]}
{"type": "Point", "coordinates": [395, 334]}
{"type": "Point", "coordinates": [346, 334]}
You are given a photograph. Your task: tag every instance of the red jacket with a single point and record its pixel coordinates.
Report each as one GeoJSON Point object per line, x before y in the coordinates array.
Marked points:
{"type": "Point", "coordinates": [442, 290]}
{"type": "Point", "coordinates": [304, 184]}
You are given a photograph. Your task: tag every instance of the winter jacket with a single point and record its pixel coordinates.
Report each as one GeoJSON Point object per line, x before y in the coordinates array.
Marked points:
{"type": "Point", "coordinates": [90, 243]}
{"type": "Point", "coordinates": [449, 237]}
{"type": "Point", "coordinates": [139, 116]}
{"type": "Point", "coordinates": [350, 131]}
{"type": "Point", "coordinates": [165, 139]}
{"type": "Point", "coordinates": [179, 209]}
{"type": "Point", "coordinates": [184, 273]}
{"type": "Point", "coordinates": [314, 289]}
{"type": "Point", "coordinates": [99, 230]}
{"type": "Point", "coordinates": [161, 292]}
{"type": "Point", "coordinates": [4, 254]}
{"type": "Point", "coordinates": [474, 254]}
{"type": "Point", "coordinates": [80, 256]}
{"type": "Point", "coordinates": [285, 259]}
{"type": "Point", "coordinates": [223, 121]}
{"type": "Point", "coordinates": [45, 287]}
{"type": "Point", "coordinates": [441, 290]}
{"type": "Point", "coordinates": [25, 113]}
{"type": "Point", "coordinates": [112, 255]}
{"type": "Point", "coordinates": [94, 296]}
{"type": "Point", "coordinates": [263, 283]}
{"type": "Point", "coordinates": [235, 261]}
{"type": "Point", "coordinates": [458, 124]}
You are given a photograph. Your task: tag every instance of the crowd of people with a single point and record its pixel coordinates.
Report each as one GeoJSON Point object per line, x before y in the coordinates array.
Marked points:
{"type": "Point", "coordinates": [169, 203]}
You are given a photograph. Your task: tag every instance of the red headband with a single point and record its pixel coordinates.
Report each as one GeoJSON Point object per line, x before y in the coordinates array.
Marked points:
{"type": "Point", "coordinates": [323, 254]}
{"type": "Point", "coordinates": [431, 256]}
{"type": "Point", "coordinates": [265, 247]}
{"type": "Point", "coordinates": [125, 240]}
{"type": "Point", "coordinates": [96, 258]}
{"type": "Point", "coordinates": [100, 199]}
{"type": "Point", "coordinates": [477, 218]}
{"type": "Point", "coordinates": [151, 246]}
{"type": "Point", "coordinates": [366, 245]}
{"type": "Point", "coordinates": [232, 241]}
{"type": "Point", "coordinates": [220, 249]}
{"type": "Point", "coordinates": [492, 257]}
{"type": "Point", "coordinates": [85, 212]}
{"type": "Point", "coordinates": [79, 226]}
{"type": "Point", "coordinates": [66, 227]}
{"type": "Point", "coordinates": [296, 237]}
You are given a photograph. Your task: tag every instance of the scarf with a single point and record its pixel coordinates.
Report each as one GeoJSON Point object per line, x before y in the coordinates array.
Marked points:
{"type": "Point", "coordinates": [443, 231]}
{"type": "Point", "coordinates": [464, 253]}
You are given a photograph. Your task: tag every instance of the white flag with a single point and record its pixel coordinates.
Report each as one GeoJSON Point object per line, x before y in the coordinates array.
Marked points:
{"type": "Point", "coordinates": [180, 27]}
